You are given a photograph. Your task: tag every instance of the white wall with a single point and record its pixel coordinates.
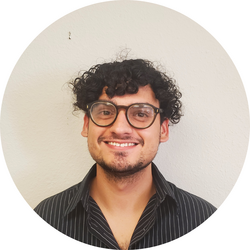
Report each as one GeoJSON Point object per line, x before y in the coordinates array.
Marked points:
{"type": "Point", "coordinates": [41, 139]}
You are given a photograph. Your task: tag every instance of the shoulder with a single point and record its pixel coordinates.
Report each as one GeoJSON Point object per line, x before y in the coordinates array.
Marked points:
{"type": "Point", "coordinates": [192, 206]}
{"type": "Point", "coordinates": [183, 211]}
{"type": "Point", "coordinates": [185, 202]}
{"type": "Point", "coordinates": [56, 204]}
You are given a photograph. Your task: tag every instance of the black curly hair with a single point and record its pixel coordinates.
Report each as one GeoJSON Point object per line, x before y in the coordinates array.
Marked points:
{"type": "Point", "coordinates": [126, 77]}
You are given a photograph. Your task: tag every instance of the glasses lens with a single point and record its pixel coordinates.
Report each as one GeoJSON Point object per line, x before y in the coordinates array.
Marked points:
{"type": "Point", "coordinates": [103, 113]}
{"type": "Point", "coordinates": [141, 115]}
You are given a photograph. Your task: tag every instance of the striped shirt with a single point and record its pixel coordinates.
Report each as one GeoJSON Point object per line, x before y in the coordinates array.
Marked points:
{"type": "Point", "coordinates": [169, 214]}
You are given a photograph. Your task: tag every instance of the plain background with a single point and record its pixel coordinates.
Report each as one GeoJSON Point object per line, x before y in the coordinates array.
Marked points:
{"type": "Point", "coordinates": [233, 55]}
{"type": "Point", "coordinates": [205, 151]}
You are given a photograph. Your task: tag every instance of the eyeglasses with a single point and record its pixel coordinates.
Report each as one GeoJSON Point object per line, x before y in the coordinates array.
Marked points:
{"type": "Point", "coordinates": [139, 115]}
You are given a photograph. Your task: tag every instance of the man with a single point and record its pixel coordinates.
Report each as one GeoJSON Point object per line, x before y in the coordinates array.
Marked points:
{"type": "Point", "coordinates": [124, 202]}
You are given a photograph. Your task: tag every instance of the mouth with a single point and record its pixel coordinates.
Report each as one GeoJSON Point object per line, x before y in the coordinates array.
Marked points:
{"type": "Point", "coordinates": [122, 145]}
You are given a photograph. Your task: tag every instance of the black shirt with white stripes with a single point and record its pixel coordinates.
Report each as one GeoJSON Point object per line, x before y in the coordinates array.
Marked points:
{"type": "Point", "coordinates": [169, 214]}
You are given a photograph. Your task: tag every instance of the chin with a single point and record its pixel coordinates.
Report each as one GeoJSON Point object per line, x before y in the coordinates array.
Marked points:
{"type": "Point", "coordinates": [121, 170]}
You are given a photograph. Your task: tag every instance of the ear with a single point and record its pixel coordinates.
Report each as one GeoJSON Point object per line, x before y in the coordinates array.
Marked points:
{"type": "Point", "coordinates": [164, 131]}
{"type": "Point", "coordinates": [85, 128]}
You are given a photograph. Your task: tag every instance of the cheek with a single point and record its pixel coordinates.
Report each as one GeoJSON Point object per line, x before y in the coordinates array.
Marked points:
{"type": "Point", "coordinates": [152, 138]}
{"type": "Point", "coordinates": [94, 135]}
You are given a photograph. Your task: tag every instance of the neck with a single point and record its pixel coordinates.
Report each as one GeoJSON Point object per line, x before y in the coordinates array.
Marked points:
{"type": "Point", "coordinates": [125, 194]}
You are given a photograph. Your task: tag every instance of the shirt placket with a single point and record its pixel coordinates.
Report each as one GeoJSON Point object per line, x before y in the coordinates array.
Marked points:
{"type": "Point", "coordinates": [99, 228]}
{"type": "Point", "coordinates": [145, 223]}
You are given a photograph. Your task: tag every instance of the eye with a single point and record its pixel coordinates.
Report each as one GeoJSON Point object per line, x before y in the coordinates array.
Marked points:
{"type": "Point", "coordinates": [141, 114]}
{"type": "Point", "coordinates": [105, 112]}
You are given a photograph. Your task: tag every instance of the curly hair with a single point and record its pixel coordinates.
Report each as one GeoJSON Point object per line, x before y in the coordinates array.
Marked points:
{"type": "Point", "coordinates": [126, 77]}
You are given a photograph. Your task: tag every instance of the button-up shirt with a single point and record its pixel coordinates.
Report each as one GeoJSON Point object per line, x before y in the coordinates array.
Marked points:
{"type": "Point", "coordinates": [170, 213]}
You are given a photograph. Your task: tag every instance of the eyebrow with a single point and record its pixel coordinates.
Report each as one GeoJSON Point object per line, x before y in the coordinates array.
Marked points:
{"type": "Point", "coordinates": [103, 100]}
{"type": "Point", "coordinates": [115, 103]}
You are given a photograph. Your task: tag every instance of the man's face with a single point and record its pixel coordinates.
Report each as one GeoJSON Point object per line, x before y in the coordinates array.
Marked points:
{"type": "Point", "coordinates": [141, 145]}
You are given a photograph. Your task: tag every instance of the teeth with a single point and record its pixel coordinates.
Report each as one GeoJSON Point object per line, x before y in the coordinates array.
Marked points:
{"type": "Point", "coordinates": [122, 144]}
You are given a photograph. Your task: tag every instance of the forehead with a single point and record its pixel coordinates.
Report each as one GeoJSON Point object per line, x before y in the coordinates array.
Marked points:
{"type": "Point", "coordinates": [144, 95]}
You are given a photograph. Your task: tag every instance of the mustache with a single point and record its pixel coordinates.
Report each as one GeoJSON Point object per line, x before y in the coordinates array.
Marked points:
{"type": "Point", "coordinates": [125, 138]}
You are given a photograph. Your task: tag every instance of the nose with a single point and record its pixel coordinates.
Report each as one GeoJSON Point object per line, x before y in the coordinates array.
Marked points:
{"type": "Point", "coordinates": [121, 125]}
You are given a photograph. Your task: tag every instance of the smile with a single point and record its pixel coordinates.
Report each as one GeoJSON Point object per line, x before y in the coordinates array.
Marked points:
{"type": "Point", "coordinates": [121, 144]}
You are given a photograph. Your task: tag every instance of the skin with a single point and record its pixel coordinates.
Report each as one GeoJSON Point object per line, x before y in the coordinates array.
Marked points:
{"type": "Point", "coordinates": [123, 184]}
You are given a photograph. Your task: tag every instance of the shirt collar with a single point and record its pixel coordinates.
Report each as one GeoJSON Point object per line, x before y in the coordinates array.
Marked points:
{"type": "Point", "coordinates": [163, 189]}
{"type": "Point", "coordinates": [82, 192]}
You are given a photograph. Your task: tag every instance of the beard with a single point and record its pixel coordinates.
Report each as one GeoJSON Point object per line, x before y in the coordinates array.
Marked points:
{"type": "Point", "coordinates": [120, 169]}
